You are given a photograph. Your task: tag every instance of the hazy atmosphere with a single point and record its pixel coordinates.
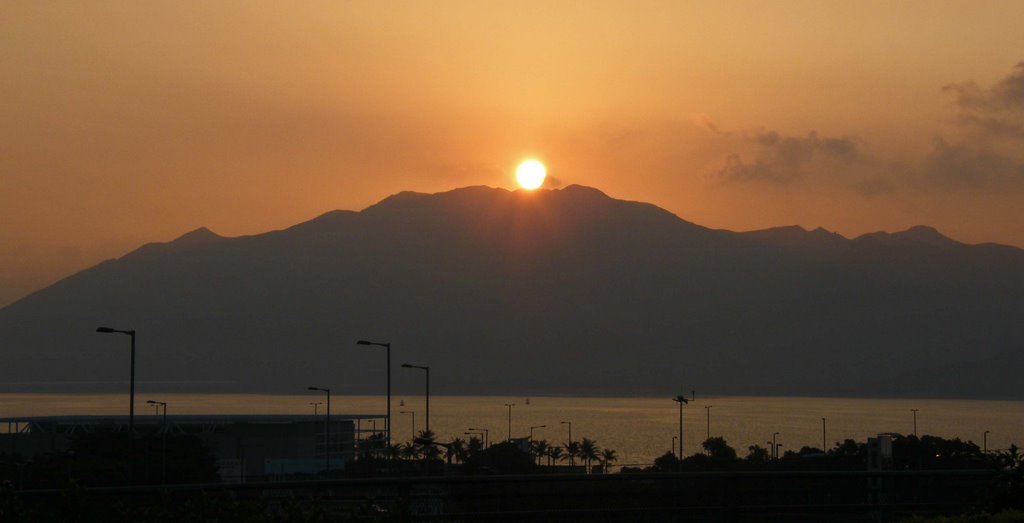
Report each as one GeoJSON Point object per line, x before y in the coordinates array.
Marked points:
{"type": "Point", "coordinates": [131, 122]}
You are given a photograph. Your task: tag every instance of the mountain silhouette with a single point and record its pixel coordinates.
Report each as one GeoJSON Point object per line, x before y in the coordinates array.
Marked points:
{"type": "Point", "coordinates": [552, 291]}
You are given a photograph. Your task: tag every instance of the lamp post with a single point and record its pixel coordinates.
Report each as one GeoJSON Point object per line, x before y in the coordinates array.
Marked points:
{"type": "Point", "coordinates": [487, 436]}
{"type": "Point", "coordinates": [316, 407]}
{"type": "Point", "coordinates": [386, 346]}
{"type": "Point", "coordinates": [674, 438]}
{"type": "Point", "coordinates": [681, 400]}
{"type": "Point", "coordinates": [327, 431]}
{"type": "Point", "coordinates": [131, 400]}
{"type": "Point", "coordinates": [824, 449]}
{"type": "Point", "coordinates": [163, 438]}
{"type": "Point", "coordinates": [413, 412]}
{"type": "Point", "coordinates": [427, 370]}
{"type": "Point", "coordinates": [569, 423]}
{"type": "Point", "coordinates": [985, 442]}
{"type": "Point", "coordinates": [915, 421]}
{"type": "Point", "coordinates": [708, 409]}
{"type": "Point", "coordinates": [510, 405]}
{"type": "Point", "coordinates": [536, 427]}
{"type": "Point", "coordinates": [775, 446]}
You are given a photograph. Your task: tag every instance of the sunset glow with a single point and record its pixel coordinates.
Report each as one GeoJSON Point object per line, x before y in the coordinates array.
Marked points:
{"type": "Point", "coordinates": [530, 174]}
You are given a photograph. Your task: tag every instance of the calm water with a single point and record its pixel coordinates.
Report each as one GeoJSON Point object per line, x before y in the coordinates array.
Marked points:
{"type": "Point", "coordinates": [639, 429]}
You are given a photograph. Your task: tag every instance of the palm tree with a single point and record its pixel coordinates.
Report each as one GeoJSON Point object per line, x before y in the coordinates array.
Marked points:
{"type": "Point", "coordinates": [608, 456]}
{"type": "Point", "coordinates": [572, 449]}
{"type": "Point", "coordinates": [410, 450]}
{"type": "Point", "coordinates": [459, 449]}
{"type": "Point", "coordinates": [540, 449]}
{"type": "Point", "coordinates": [474, 447]}
{"type": "Point", "coordinates": [556, 454]}
{"type": "Point", "coordinates": [588, 450]}
{"type": "Point", "coordinates": [429, 451]}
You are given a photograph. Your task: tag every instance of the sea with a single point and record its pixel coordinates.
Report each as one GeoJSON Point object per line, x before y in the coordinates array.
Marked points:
{"type": "Point", "coordinates": [639, 429]}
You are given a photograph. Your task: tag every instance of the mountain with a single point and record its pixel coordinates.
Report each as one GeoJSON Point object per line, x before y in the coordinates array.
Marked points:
{"type": "Point", "coordinates": [553, 291]}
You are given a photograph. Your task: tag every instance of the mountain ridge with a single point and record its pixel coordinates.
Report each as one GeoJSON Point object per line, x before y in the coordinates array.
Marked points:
{"type": "Point", "coordinates": [502, 290]}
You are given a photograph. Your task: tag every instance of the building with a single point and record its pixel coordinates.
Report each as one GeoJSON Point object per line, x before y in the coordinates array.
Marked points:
{"type": "Point", "coordinates": [246, 447]}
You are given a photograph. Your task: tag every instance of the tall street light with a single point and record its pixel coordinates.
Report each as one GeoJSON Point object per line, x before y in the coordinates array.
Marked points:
{"type": "Point", "coordinates": [824, 448]}
{"type": "Point", "coordinates": [388, 347]}
{"type": "Point", "coordinates": [681, 400]}
{"type": "Point", "coordinates": [775, 446]}
{"type": "Point", "coordinates": [427, 370]}
{"type": "Point", "coordinates": [327, 431]}
{"type": "Point", "coordinates": [536, 427]}
{"type": "Point", "coordinates": [163, 438]}
{"type": "Point", "coordinates": [708, 409]}
{"type": "Point", "coordinates": [510, 405]}
{"type": "Point", "coordinates": [915, 421]}
{"type": "Point", "coordinates": [569, 423]}
{"type": "Point", "coordinates": [131, 405]}
{"type": "Point", "coordinates": [316, 407]}
{"type": "Point", "coordinates": [985, 442]}
{"type": "Point", "coordinates": [413, 412]}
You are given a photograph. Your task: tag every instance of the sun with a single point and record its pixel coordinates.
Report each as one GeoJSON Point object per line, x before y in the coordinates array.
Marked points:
{"type": "Point", "coordinates": [530, 174]}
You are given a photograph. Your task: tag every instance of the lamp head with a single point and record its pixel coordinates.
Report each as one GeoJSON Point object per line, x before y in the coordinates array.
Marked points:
{"type": "Point", "coordinates": [105, 330]}
{"type": "Point", "coordinates": [680, 399]}
{"type": "Point", "coordinates": [364, 342]}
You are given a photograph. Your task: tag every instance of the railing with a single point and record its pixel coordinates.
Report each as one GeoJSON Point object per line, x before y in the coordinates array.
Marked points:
{"type": "Point", "coordinates": [697, 496]}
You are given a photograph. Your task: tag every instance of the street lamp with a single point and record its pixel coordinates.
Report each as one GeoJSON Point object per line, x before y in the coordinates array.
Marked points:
{"type": "Point", "coordinates": [708, 409]}
{"type": "Point", "coordinates": [569, 423]}
{"type": "Point", "coordinates": [915, 421]}
{"type": "Point", "coordinates": [510, 405]}
{"type": "Point", "coordinates": [681, 400]}
{"type": "Point", "coordinates": [486, 432]}
{"type": "Point", "coordinates": [775, 446]}
{"type": "Point", "coordinates": [536, 427]}
{"type": "Point", "coordinates": [388, 347]}
{"type": "Point", "coordinates": [327, 431]}
{"type": "Point", "coordinates": [316, 407]}
{"type": "Point", "coordinates": [674, 438]}
{"type": "Point", "coordinates": [163, 438]}
{"type": "Point", "coordinates": [427, 370]}
{"type": "Point", "coordinates": [985, 442]}
{"type": "Point", "coordinates": [824, 448]}
{"type": "Point", "coordinates": [131, 400]}
{"type": "Point", "coordinates": [413, 412]}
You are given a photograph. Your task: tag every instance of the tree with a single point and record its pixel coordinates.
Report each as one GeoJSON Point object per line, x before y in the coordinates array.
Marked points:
{"type": "Point", "coordinates": [719, 450]}
{"type": "Point", "coordinates": [588, 450]}
{"type": "Point", "coordinates": [608, 456]}
{"type": "Point", "coordinates": [410, 450]}
{"type": "Point", "coordinates": [429, 451]}
{"type": "Point", "coordinates": [556, 454]}
{"type": "Point", "coordinates": [474, 447]}
{"type": "Point", "coordinates": [758, 455]}
{"type": "Point", "coordinates": [572, 450]}
{"type": "Point", "coordinates": [668, 462]}
{"type": "Point", "coordinates": [539, 448]}
{"type": "Point", "coordinates": [459, 450]}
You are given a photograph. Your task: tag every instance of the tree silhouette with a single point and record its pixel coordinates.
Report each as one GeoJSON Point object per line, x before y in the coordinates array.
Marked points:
{"type": "Point", "coordinates": [588, 451]}
{"type": "Point", "coordinates": [608, 456]}
{"type": "Point", "coordinates": [758, 455]}
{"type": "Point", "coordinates": [718, 449]}
{"type": "Point", "coordinates": [556, 454]}
{"type": "Point", "coordinates": [540, 449]}
{"type": "Point", "coordinates": [572, 450]}
{"type": "Point", "coordinates": [459, 450]}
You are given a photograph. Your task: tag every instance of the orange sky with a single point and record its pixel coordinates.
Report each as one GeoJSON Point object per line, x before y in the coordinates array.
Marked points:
{"type": "Point", "coordinates": [128, 122]}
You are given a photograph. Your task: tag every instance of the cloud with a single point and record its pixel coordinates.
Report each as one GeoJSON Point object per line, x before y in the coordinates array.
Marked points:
{"type": "Point", "coordinates": [783, 159]}
{"type": "Point", "coordinates": [970, 165]}
{"type": "Point", "coordinates": [995, 111]}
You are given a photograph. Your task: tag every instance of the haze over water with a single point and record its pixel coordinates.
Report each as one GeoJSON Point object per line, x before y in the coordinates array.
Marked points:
{"type": "Point", "coordinates": [638, 429]}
